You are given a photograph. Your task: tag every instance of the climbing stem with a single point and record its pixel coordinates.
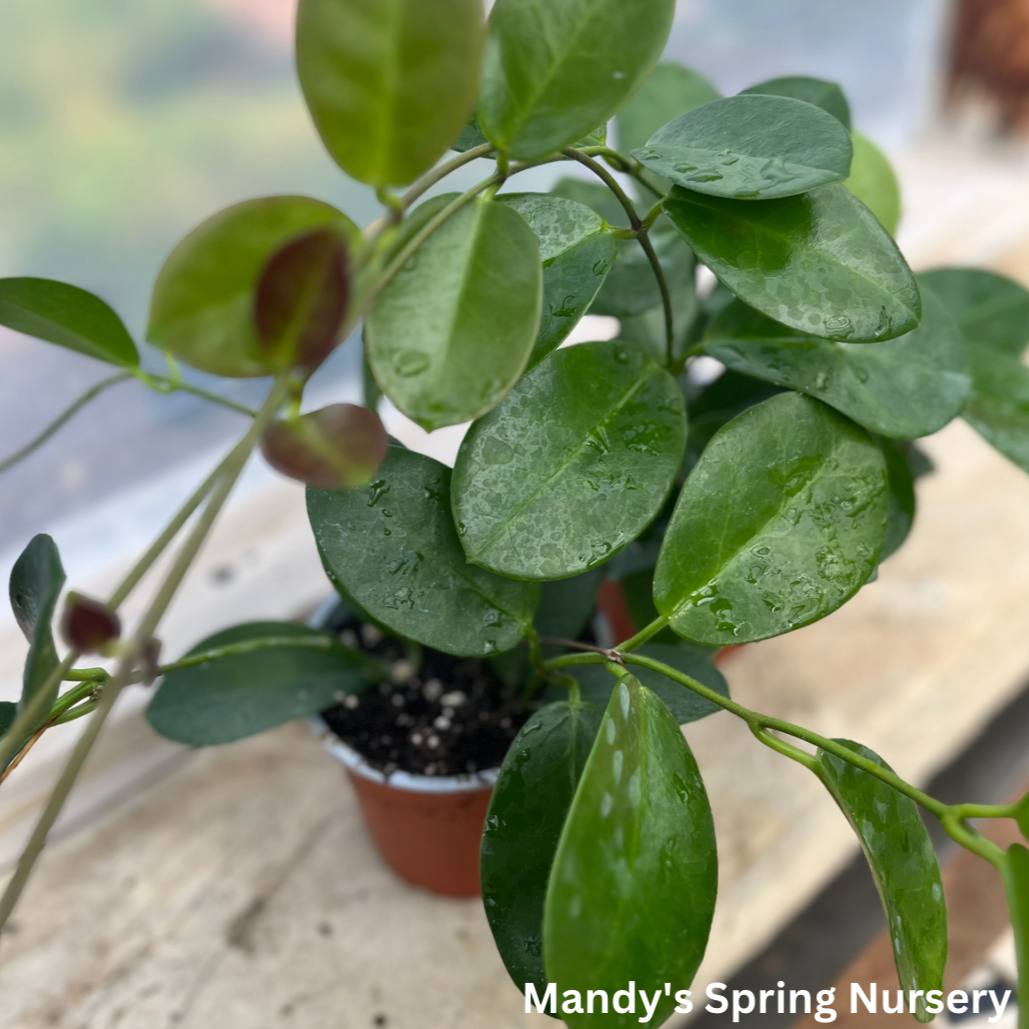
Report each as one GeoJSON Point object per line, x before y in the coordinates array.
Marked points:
{"type": "Point", "coordinates": [643, 635]}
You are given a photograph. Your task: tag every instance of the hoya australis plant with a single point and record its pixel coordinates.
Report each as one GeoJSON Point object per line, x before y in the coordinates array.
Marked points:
{"type": "Point", "coordinates": [730, 513]}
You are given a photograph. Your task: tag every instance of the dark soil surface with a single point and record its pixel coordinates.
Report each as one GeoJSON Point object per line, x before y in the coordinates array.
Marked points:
{"type": "Point", "coordinates": [448, 716]}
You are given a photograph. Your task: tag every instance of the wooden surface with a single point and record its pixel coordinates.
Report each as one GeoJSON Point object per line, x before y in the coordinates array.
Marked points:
{"type": "Point", "coordinates": [236, 887]}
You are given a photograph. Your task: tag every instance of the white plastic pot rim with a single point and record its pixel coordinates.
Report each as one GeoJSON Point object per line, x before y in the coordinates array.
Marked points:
{"type": "Point", "coordinates": [357, 764]}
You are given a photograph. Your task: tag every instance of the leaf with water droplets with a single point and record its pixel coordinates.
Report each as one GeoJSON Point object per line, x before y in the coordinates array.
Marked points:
{"type": "Point", "coordinates": [555, 70]}
{"type": "Point", "coordinates": [392, 547]}
{"type": "Point", "coordinates": [527, 812]}
{"type": "Point", "coordinates": [903, 388]}
{"type": "Point", "coordinates": [573, 464]}
{"type": "Point", "coordinates": [781, 521]}
{"type": "Point", "coordinates": [577, 255]}
{"type": "Point", "coordinates": [826, 95]}
{"type": "Point", "coordinates": [903, 863]}
{"type": "Point", "coordinates": [750, 147]}
{"type": "Point", "coordinates": [873, 181]}
{"type": "Point", "coordinates": [632, 890]}
{"type": "Point", "coordinates": [453, 331]}
{"type": "Point", "coordinates": [819, 262]}
{"type": "Point", "coordinates": [227, 698]}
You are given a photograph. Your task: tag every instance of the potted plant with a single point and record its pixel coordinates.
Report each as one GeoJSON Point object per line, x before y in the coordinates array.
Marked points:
{"type": "Point", "coordinates": [468, 594]}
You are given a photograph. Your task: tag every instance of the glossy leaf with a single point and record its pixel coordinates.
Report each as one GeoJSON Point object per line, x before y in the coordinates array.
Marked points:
{"type": "Point", "coordinates": [992, 310]}
{"type": "Point", "coordinates": [632, 889]}
{"type": "Point", "coordinates": [750, 147]}
{"type": "Point", "coordinates": [389, 83]}
{"type": "Point", "coordinates": [232, 697]}
{"type": "Point", "coordinates": [903, 863]}
{"type": "Point", "coordinates": [202, 309]}
{"type": "Point", "coordinates": [593, 195]}
{"type": "Point", "coordinates": [555, 70]}
{"type": "Point", "coordinates": [819, 262]}
{"type": "Point", "coordinates": [392, 546]}
{"type": "Point", "coordinates": [683, 704]}
{"type": "Point", "coordinates": [527, 813]}
{"type": "Point", "coordinates": [1015, 873]}
{"type": "Point", "coordinates": [453, 331]}
{"type": "Point", "coordinates": [901, 514]}
{"type": "Point", "coordinates": [37, 579]}
{"type": "Point", "coordinates": [336, 447]}
{"type": "Point", "coordinates": [904, 388]}
{"type": "Point", "coordinates": [67, 316]}
{"type": "Point", "coordinates": [302, 298]}
{"type": "Point", "coordinates": [873, 181]}
{"type": "Point", "coordinates": [998, 407]}
{"type": "Point", "coordinates": [572, 466]}
{"type": "Point", "coordinates": [826, 95]}
{"type": "Point", "coordinates": [781, 521]}
{"type": "Point", "coordinates": [577, 255]}
{"type": "Point", "coordinates": [671, 91]}
{"type": "Point", "coordinates": [566, 605]}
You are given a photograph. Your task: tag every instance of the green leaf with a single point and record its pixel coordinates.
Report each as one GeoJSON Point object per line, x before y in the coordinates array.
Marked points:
{"type": "Point", "coordinates": [228, 698]}
{"type": "Point", "coordinates": [555, 70]}
{"type": "Point", "coordinates": [901, 513]}
{"type": "Point", "coordinates": [37, 579]}
{"type": "Point", "coordinates": [566, 605]}
{"type": "Point", "coordinates": [67, 316]}
{"type": "Point", "coordinates": [819, 262]}
{"type": "Point", "coordinates": [903, 863]}
{"type": "Point", "coordinates": [670, 91]}
{"type": "Point", "coordinates": [593, 195]}
{"type": "Point", "coordinates": [873, 181]}
{"type": "Point", "coordinates": [527, 812]}
{"type": "Point", "coordinates": [577, 255]}
{"type": "Point", "coordinates": [393, 547]}
{"type": "Point", "coordinates": [992, 310]}
{"type": "Point", "coordinates": [633, 886]}
{"type": "Point", "coordinates": [781, 522]}
{"type": "Point", "coordinates": [451, 334]}
{"type": "Point", "coordinates": [904, 388]}
{"type": "Point", "coordinates": [1015, 873]}
{"type": "Point", "coordinates": [998, 407]}
{"type": "Point", "coordinates": [572, 466]}
{"type": "Point", "coordinates": [203, 307]}
{"type": "Point", "coordinates": [749, 148]}
{"type": "Point", "coordinates": [389, 83]}
{"type": "Point", "coordinates": [8, 712]}
{"type": "Point", "coordinates": [826, 95]}
{"type": "Point", "coordinates": [683, 704]}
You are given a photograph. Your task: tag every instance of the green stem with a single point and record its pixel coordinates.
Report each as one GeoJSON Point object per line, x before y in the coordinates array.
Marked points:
{"type": "Point", "coordinates": [164, 384]}
{"type": "Point", "coordinates": [91, 394]}
{"type": "Point", "coordinates": [233, 467]}
{"type": "Point", "coordinates": [641, 234]}
{"type": "Point", "coordinates": [643, 635]}
{"type": "Point", "coordinates": [33, 714]}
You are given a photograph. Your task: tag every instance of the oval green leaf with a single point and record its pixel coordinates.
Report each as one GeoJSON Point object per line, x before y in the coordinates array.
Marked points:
{"type": "Point", "coordinates": [37, 579]}
{"type": "Point", "coordinates": [555, 70]}
{"type": "Point", "coordinates": [683, 704]}
{"type": "Point", "coordinates": [998, 406]}
{"type": "Point", "coordinates": [577, 255]}
{"type": "Point", "coordinates": [780, 522]}
{"type": "Point", "coordinates": [632, 890]}
{"type": "Point", "coordinates": [873, 181]}
{"type": "Point", "coordinates": [1015, 873]}
{"type": "Point", "coordinates": [453, 331]}
{"type": "Point", "coordinates": [566, 605]}
{"type": "Point", "coordinates": [227, 698]}
{"type": "Point", "coordinates": [903, 863]}
{"type": "Point", "coordinates": [670, 91]}
{"type": "Point", "coordinates": [826, 95]}
{"type": "Point", "coordinates": [389, 83]}
{"type": "Point", "coordinates": [203, 307]}
{"type": "Point", "coordinates": [750, 148]}
{"type": "Point", "coordinates": [392, 546]}
{"type": "Point", "coordinates": [572, 466]}
{"type": "Point", "coordinates": [819, 262]}
{"type": "Point", "coordinates": [904, 388]}
{"type": "Point", "coordinates": [526, 815]}
{"type": "Point", "coordinates": [901, 514]}
{"type": "Point", "coordinates": [992, 310]}
{"type": "Point", "coordinates": [67, 316]}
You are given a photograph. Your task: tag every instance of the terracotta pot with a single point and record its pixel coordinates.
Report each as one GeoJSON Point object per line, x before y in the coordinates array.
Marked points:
{"type": "Point", "coordinates": [427, 828]}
